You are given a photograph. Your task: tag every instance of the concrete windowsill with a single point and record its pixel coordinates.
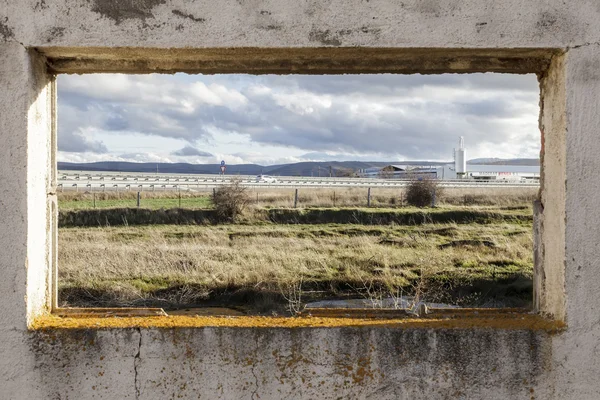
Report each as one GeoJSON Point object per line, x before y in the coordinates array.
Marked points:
{"type": "Point", "coordinates": [503, 319]}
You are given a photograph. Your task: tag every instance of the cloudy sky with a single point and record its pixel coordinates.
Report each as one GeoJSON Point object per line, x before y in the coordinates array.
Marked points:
{"type": "Point", "coordinates": [278, 119]}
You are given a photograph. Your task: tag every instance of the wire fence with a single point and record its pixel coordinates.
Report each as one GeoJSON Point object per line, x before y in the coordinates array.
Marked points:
{"type": "Point", "coordinates": [295, 198]}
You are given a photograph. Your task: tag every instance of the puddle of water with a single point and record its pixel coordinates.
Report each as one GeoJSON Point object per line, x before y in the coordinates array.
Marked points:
{"type": "Point", "coordinates": [402, 303]}
{"type": "Point", "coordinates": [207, 312]}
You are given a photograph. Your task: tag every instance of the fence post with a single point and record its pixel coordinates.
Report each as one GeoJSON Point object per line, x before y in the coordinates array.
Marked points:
{"type": "Point", "coordinates": [179, 197]}
{"type": "Point", "coordinates": [138, 199]}
{"type": "Point", "coordinates": [433, 198]}
{"type": "Point", "coordinates": [296, 198]}
{"type": "Point", "coordinates": [369, 197]}
{"type": "Point", "coordinates": [334, 198]}
{"type": "Point", "coordinates": [94, 197]}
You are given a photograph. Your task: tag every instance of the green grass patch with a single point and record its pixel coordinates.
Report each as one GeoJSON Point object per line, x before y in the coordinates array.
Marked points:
{"type": "Point", "coordinates": [153, 204]}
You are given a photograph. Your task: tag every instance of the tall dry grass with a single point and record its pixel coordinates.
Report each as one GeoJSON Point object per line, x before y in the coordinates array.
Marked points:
{"type": "Point", "coordinates": [181, 265]}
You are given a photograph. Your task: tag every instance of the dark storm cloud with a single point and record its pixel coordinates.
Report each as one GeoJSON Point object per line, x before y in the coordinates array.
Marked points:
{"type": "Point", "coordinates": [189, 151]}
{"type": "Point", "coordinates": [76, 142]}
{"type": "Point", "coordinates": [415, 116]}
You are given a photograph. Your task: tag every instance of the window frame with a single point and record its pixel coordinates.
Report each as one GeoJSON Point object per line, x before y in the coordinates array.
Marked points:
{"type": "Point", "coordinates": [548, 64]}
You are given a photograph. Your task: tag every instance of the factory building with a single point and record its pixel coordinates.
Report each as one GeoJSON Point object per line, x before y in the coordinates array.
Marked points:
{"type": "Point", "coordinates": [458, 170]}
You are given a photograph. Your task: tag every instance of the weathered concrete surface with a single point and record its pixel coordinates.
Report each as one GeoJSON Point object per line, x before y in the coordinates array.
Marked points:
{"type": "Point", "coordinates": [24, 168]}
{"type": "Point", "coordinates": [549, 279]}
{"type": "Point", "coordinates": [305, 23]}
{"type": "Point", "coordinates": [578, 354]}
{"type": "Point", "coordinates": [136, 35]}
{"type": "Point", "coordinates": [337, 363]}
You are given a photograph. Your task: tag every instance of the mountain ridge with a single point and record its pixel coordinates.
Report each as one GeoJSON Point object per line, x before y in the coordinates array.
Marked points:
{"type": "Point", "coordinates": [306, 168]}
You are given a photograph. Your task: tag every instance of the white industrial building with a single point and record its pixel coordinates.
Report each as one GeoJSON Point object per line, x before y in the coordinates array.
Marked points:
{"type": "Point", "coordinates": [458, 170]}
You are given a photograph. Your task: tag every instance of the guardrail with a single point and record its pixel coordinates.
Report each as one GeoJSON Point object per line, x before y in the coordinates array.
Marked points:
{"type": "Point", "coordinates": [204, 182]}
{"type": "Point", "coordinates": [206, 178]}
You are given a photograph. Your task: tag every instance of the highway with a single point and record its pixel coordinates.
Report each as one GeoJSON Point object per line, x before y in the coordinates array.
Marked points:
{"type": "Point", "coordinates": [114, 181]}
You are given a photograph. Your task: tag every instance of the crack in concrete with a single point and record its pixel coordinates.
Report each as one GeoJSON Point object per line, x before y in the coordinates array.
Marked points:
{"type": "Point", "coordinates": [583, 45]}
{"type": "Point", "coordinates": [136, 362]}
{"type": "Point", "coordinates": [12, 40]}
{"type": "Point", "coordinates": [188, 16]}
{"type": "Point", "coordinates": [255, 391]}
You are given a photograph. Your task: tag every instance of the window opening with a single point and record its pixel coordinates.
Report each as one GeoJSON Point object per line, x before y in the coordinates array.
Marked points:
{"type": "Point", "coordinates": [278, 195]}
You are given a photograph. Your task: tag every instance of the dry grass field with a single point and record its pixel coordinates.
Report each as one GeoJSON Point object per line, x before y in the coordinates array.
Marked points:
{"type": "Point", "coordinates": [307, 197]}
{"type": "Point", "coordinates": [474, 249]}
{"type": "Point", "coordinates": [275, 268]}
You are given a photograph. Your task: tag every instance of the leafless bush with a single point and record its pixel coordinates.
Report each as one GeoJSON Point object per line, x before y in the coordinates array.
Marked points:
{"type": "Point", "coordinates": [230, 201]}
{"type": "Point", "coordinates": [371, 291]}
{"type": "Point", "coordinates": [386, 173]}
{"type": "Point", "coordinates": [422, 192]}
{"type": "Point", "coordinates": [292, 292]}
{"type": "Point", "coordinates": [396, 293]}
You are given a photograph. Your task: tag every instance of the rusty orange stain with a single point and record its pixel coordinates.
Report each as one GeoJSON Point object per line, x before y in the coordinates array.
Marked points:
{"type": "Point", "coordinates": [463, 319]}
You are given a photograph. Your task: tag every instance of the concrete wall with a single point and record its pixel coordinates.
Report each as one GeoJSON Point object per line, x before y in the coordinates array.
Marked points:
{"type": "Point", "coordinates": [560, 40]}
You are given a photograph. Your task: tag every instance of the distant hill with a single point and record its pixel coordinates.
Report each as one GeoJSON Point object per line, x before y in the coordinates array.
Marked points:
{"type": "Point", "coordinates": [308, 168]}
{"type": "Point", "coordinates": [170, 168]}
{"type": "Point", "coordinates": [501, 161]}
{"type": "Point", "coordinates": [338, 168]}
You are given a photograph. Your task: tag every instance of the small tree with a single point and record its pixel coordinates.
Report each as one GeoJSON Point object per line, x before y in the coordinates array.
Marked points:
{"type": "Point", "coordinates": [230, 201]}
{"type": "Point", "coordinates": [422, 192]}
{"type": "Point", "coordinates": [386, 172]}
{"type": "Point", "coordinates": [343, 172]}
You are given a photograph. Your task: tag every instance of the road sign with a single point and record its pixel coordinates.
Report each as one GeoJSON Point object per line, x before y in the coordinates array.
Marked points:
{"type": "Point", "coordinates": [223, 169]}
{"type": "Point", "coordinates": [222, 163]}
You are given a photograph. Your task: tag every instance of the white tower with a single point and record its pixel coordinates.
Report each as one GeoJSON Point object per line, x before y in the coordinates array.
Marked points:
{"type": "Point", "coordinates": [460, 159]}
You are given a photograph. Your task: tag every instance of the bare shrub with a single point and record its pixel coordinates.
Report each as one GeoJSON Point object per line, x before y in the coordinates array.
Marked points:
{"type": "Point", "coordinates": [386, 173]}
{"type": "Point", "coordinates": [230, 201]}
{"type": "Point", "coordinates": [422, 192]}
{"type": "Point", "coordinates": [292, 293]}
{"type": "Point", "coordinates": [372, 291]}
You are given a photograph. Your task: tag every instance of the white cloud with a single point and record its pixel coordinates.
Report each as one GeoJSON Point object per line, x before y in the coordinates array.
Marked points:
{"type": "Point", "coordinates": [271, 119]}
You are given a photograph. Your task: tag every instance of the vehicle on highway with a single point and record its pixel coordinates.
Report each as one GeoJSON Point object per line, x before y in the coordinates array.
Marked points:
{"type": "Point", "coordinates": [266, 179]}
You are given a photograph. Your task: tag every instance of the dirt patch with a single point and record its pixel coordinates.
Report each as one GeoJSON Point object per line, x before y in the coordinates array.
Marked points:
{"type": "Point", "coordinates": [468, 242]}
{"type": "Point", "coordinates": [449, 231]}
{"type": "Point", "coordinates": [399, 242]}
